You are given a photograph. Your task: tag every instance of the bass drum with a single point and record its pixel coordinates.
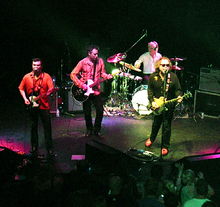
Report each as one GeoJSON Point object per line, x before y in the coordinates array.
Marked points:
{"type": "Point", "coordinates": [140, 100]}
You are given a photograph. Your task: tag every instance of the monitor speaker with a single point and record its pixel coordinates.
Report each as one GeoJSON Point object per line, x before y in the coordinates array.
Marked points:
{"type": "Point", "coordinates": [108, 157]}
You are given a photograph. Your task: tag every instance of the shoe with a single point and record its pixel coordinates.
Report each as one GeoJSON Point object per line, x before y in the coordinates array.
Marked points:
{"type": "Point", "coordinates": [88, 133]}
{"type": "Point", "coordinates": [98, 134]}
{"type": "Point", "coordinates": [148, 143]}
{"type": "Point", "coordinates": [164, 151]}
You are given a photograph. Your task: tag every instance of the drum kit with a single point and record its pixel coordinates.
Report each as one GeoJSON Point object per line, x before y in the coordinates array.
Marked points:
{"type": "Point", "coordinates": [126, 87]}
{"type": "Point", "coordinates": [127, 91]}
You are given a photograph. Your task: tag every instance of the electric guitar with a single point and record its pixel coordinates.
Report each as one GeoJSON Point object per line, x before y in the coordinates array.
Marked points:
{"type": "Point", "coordinates": [81, 95]}
{"type": "Point", "coordinates": [162, 103]}
{"type": "Point", "coordinates": [33, 99]}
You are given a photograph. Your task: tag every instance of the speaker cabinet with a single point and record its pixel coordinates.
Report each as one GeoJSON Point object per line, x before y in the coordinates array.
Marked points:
{"type": "Point", "coordinates": [107, 157]}
{"type": "Point", "coordinates": [53, 100]}
{"type": "Point", "coordinates": [206, 102]}
{"type": "Point", "coordinates": [210, 80]}
{"type": "Point", "coordinates": [70, 104]}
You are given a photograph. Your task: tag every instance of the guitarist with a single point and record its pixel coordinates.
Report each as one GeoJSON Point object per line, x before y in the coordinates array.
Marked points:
{"type": "Point", "coordinates": [92, 67]}
{"type": "Point", "coordinates": [162, 83]}
{"type": "Point", "coordinates": [33, 84]}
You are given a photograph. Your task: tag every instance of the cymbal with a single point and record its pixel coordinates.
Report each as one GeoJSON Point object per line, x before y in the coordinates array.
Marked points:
{"type": "Point", "coordinates": [175, 67]}
{"type": "Point", "coordinates": [130, 66]}
{"type": "Point", "coordinates": [177, 59]}
{"type": "Point", "coordinates": [116, 58]}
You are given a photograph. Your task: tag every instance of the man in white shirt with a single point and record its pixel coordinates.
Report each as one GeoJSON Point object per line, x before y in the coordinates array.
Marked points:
{"type": "Point", "coordinates": [201, 187]}
{"type": "Point", "coordinates": [148, 59]}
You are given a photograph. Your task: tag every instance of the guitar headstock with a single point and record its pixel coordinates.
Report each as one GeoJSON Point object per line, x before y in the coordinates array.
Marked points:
{"type": "Point", "coordinates": [188, 95]}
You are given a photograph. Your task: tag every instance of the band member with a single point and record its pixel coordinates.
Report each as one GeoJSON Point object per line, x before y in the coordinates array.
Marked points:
{"type": "Point", "coordinates": [148, 59]}
{"type": "Point", "coordinates": [168, 90]}
{"type": "Point", "coordinates": [34, 84]}
{"type": "Point", "coordinates": [91, 68]}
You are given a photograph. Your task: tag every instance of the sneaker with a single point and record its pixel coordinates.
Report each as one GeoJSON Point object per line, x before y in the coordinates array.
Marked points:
{"type": "Point", "coordinates": [148, 143]}
{"type": "Point", "coordinates": [164, 151]}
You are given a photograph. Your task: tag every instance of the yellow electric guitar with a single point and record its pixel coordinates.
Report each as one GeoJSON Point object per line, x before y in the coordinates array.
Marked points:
{"type": "Point", "coordinates": [162, 103]}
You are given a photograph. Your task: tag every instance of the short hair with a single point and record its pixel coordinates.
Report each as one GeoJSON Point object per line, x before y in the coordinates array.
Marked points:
{"type": "Point", "coordinates": [37, 59]}
{"type": "Point", "coordinates": [91, 47]}
{"type": "Point", "coordinates": [201, 187]}
{"type": "Point", "coordinates": [157, 64]}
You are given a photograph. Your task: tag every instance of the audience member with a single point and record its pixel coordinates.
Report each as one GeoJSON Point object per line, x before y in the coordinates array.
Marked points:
{"type": "Point", "coordinates": [150, 199]}
{"type": "Point", "coordinates": [185, 183]}
{"type": "Point", "coordinates": [115, 196]}
{"type": "Point", "coordinates": [201, 191]}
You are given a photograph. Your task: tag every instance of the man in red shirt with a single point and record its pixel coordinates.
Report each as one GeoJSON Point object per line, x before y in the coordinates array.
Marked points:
{"type": "Point", "coordinates": [91, 68]}
{"type": "Point", "coordinates": [38, 84]}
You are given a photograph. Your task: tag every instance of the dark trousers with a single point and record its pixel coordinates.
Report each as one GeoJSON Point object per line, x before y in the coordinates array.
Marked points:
{"type": "Point", "coordinates": [87, 109]}
{"type": "Point", "coordinates": [145, 79]}
{"type": "Point", "coordinates": [165, 118]}
{"type": "Point", "coordinates": [46, 123]}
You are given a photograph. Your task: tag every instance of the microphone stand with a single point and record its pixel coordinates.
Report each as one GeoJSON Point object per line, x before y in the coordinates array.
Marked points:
{"type": "Point", "coordinates": [145, 34]}
{"type": "Point", "coordinates": [164, 95]}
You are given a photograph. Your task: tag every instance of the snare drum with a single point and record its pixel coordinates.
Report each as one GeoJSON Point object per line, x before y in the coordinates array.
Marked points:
{"type": "Point", "coordinates": [140, 100]}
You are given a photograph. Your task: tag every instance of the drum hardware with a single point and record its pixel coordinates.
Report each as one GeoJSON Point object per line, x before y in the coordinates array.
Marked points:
{"type": "Point", "coordinates": [130, 66]}
{"type": "Point", "coordinates": [121, 98]}
{"type": "Point", "coordinates": [140, 100]}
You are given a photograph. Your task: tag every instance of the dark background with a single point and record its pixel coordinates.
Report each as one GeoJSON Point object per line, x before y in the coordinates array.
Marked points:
{"type": "Point", "coordinates": [60, 31]}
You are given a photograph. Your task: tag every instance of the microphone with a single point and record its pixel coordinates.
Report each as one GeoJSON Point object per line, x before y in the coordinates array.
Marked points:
{"type": "Point", "coordinates": [35, 71]}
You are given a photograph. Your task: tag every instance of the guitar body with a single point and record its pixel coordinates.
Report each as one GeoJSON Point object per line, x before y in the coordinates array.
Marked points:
{"type": "Point", "coordinates": [162, 103]}
{"type": "Point", "coordinates": [34, 99]}
{"type": "Point", "coordinates": [78, 93]}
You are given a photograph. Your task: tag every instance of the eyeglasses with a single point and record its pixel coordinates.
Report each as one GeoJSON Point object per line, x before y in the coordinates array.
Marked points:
{"type": "Point", "coordinates": [163, 65]}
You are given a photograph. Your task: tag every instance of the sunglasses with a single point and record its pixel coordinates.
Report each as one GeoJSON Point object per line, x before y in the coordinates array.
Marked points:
{"type": "Point", "coordinates": [163, 65]}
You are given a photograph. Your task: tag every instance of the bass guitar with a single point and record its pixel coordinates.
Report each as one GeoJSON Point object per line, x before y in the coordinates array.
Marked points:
{"type": "Point", "coordinates": [34, 99]}
{"type": "Point", "coordinates": [81, 95]}
{"type": "Point", "coordinates": [162, 103]}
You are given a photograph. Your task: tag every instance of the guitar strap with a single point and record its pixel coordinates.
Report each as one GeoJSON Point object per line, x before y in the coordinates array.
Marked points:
{"type": "Point", "coordinates": [94, 70]}
{"type": "Point", "coordinates": [38, 87]}
{"type": "Point", "coordinates": [167, 82]}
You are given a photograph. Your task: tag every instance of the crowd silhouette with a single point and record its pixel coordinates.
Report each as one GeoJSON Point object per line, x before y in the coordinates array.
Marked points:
{"type": "Point", "coordinates": [88, 185]}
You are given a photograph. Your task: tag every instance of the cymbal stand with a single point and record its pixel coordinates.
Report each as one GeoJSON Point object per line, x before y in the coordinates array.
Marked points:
{"type": "Point", "coordinates": [181, 105]}
{"type": "Point", "coordinates": [114, 95]}
{"type": "Point", "coordinates": [124, 89]}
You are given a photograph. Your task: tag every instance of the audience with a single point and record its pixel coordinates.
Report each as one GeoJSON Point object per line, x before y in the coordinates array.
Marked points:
{"type": "Point", "coordinates": [85, 186]}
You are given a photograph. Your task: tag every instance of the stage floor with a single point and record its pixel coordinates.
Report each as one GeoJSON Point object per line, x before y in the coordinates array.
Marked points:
{"type": "Point", "coordinates": [191, 135]}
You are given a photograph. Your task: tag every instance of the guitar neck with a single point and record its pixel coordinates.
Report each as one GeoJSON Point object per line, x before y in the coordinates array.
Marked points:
{"type": "Point", "coordinates": [175, 99]}
{"type": "Point", "coordinates": [97, 83]}
{"type": "Point", "coordinates": [44, 94]}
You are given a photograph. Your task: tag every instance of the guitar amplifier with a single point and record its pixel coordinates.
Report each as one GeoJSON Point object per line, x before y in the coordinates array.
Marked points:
{"type": "Point", "coordinates": [209, 80]}
{"type": "Point", "coordinates": [207, 103]}
{"type": "Point", "coordinates": [70, 104]}
{"type": "Point", "coordinates": [53, 100]}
